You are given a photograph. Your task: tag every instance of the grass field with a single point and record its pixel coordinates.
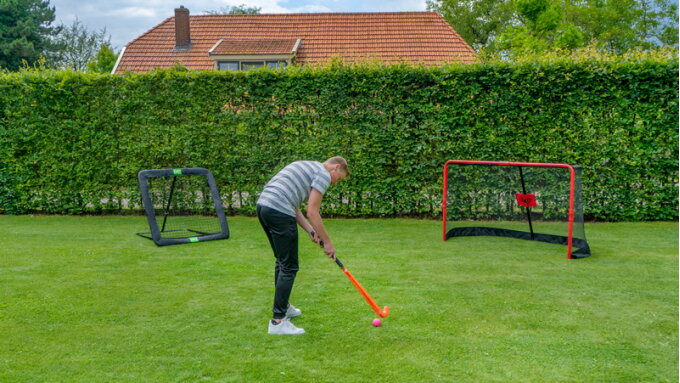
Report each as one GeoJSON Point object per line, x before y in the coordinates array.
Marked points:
{"type": "Point", "coordinates": [82, 299]}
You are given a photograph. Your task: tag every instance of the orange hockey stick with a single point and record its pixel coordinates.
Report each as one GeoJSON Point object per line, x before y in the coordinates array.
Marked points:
{"type": "Point", "coordinates": [381, 313]}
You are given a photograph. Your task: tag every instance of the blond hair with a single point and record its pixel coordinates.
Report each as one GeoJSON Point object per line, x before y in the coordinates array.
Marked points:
{"type": "Point", "coordinates": [339, 160]}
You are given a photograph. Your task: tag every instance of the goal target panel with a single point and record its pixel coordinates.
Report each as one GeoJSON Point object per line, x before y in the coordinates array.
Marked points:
{"type": "Point", "coordinates": [524, 200]}
{"type": "Point", "coordinates": [182, 206]}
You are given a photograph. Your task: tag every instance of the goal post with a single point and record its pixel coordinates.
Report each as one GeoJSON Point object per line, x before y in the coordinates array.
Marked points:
{"type": "Point", "coordinates": [182, 206]}
{"type": "Point", "coordinates": [524, 200]}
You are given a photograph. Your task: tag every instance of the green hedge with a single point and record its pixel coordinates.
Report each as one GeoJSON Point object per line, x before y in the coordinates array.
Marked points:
{"type": "Point", "coordinates": [73, 143]}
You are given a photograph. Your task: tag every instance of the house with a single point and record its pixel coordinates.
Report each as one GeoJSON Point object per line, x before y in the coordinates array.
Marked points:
{"type": "Point", "coordinates": [242, 42]}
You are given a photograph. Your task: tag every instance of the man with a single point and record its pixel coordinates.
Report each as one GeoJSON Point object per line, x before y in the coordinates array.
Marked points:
{"type": "Point", "coordinates": [278, 210]}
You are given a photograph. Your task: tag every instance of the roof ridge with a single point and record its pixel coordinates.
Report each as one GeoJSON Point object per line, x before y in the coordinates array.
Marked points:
{"type": "Point", "coordinates": [315, 14]}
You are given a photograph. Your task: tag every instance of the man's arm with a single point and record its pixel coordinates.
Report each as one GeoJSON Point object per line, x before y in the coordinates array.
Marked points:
{"type": "Point", "coordinates": [302, 221]}
{"type": "Point", "coordinates": [314, 216]}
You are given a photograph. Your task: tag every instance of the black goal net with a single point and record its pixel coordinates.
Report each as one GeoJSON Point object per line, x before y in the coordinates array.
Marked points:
{"type": "Point", "coordinates": [532, 201]}
{"type": "Point", "coordinates": [182, 206]}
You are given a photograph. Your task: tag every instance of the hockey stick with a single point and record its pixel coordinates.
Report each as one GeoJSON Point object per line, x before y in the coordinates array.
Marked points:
{"type": "Point", "coordinates": [381, 313]}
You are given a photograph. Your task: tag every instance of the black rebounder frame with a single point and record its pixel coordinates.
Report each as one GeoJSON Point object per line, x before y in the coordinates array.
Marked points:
{"type": "Point", "coordinates": [155, 234]}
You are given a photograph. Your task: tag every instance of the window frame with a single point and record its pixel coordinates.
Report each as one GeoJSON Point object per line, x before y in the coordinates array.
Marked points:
{"type": "Point", "coordinates": [275, 63]}
{"type": "Point", "coordinates": [219, 65]}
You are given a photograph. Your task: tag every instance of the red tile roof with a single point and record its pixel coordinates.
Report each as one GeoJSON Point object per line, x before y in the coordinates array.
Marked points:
{"type": "Point", "coordinates": [254, 47]}
{"type": "Point", "coordinates": [413, 37]}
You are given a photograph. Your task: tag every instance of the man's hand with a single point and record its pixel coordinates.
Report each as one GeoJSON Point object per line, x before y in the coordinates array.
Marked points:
{"type": "Point", "coordinates": [329, 250]}
{"type": "Point", "coordinates": [315, 237]}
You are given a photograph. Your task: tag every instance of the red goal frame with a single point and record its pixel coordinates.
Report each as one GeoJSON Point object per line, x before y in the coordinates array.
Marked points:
{"type": "Point", "coordinates": [572, 179]}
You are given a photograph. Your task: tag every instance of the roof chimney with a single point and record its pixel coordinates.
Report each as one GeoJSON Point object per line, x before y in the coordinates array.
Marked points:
{"type": "Point", "coordinates": [182, 30]}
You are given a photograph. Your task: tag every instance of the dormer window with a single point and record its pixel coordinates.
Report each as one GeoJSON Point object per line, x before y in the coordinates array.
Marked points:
{"type": "Point", "coordinates": [228, 65]}
{"type": "Point", "coordinates": [243, 55]}
{"type": "Point", "coordinates": [235, 66]}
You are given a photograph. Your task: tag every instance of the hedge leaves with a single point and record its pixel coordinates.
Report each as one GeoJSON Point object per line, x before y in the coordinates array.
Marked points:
{"type": "Point", "coordinates": [73, 143]}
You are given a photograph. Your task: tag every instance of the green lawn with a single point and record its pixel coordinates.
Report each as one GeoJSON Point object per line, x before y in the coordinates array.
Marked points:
{"type": "Point", "coordinates": [82, 299]}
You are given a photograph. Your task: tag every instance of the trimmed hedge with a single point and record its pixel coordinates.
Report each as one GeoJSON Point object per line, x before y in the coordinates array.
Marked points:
{"type": "Point", "coordinates": [73, 143]}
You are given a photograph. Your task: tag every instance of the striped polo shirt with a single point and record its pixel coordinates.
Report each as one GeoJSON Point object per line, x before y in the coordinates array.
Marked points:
{"type": "Point", "coordinates": [290, 187]}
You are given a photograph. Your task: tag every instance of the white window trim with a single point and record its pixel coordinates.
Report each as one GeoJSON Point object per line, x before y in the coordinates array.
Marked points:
{"type": "Point", "coordinates": [252, 57]}
{"type": "Point", "coordinates": [287, 57]}
{"type": "Point", "coordinates": [120, 57]}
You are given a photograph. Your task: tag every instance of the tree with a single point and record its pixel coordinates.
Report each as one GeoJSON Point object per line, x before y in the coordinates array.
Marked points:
{"type": "Point", "coordinates": [541, 26]}
{"type": "Point", "coordinates": [619, 25]}
{"type": "Point", "coordinates": [666, 31]}
{"type": "Point", "coordinates": [515, 27]}
{"type": "Point", "coordinates": [76, 46]}
{"type": "Point", "coordinates": [25, 31]}
{"type": "Point", "coordinates": [104, 62]}
{"type": "Point", "coordinates": [477, 21]}
{"type": "Point", "coordinates": [242, 9]}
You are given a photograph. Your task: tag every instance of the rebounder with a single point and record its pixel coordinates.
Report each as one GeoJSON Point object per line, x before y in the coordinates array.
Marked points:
{"type": "Point", "coordinates": [182, 206]}
{"type": "Point", "coordinates": [532, 201]}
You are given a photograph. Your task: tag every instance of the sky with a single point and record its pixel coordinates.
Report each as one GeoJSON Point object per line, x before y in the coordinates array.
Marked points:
{"type": "Point", "coordinates": [125, 20]}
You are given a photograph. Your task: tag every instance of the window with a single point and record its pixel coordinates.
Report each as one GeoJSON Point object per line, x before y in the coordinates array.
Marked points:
{"type": "Point", "coordinates": [248, 65]}
{"type": "Point", "coordinates": [228, 65]}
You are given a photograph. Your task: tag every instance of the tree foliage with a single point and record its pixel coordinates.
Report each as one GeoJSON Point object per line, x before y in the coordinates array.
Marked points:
{"type": "Point", "coordinates": [104, 61]}
{"type": "Point", "coordinates": [477, 21]}
{"type": "Point", "coordinates": [76, 46]}
{"type": "Point", "coordinates": [25, 31]}
{"type": "Point", "coordinates": [518, 27]}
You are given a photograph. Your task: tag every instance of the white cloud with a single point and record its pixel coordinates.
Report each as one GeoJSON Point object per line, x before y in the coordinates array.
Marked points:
{"type": "Point", "coordinates": [266, 6]}
{"type": "Point", "coordinates": [307, 6]}
{"type": "Point", "coordinates": [311, 9]}
{"type": "Point", "coordinates": [137, 12]}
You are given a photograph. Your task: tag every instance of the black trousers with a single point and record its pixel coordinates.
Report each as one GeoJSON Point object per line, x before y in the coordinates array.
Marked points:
{"type": "Point", "coordinates": [281, 230]}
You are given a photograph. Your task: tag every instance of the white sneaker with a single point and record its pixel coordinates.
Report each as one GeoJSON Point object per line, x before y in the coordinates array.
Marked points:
{"type": "Point", "coordinates": [292, 312]}
{"type": "Point", "coordinates": [284, 328]}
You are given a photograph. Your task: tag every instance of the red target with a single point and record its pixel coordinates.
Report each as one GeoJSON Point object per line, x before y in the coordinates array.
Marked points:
{"type": "Point", "coordinates": [526, 200]}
